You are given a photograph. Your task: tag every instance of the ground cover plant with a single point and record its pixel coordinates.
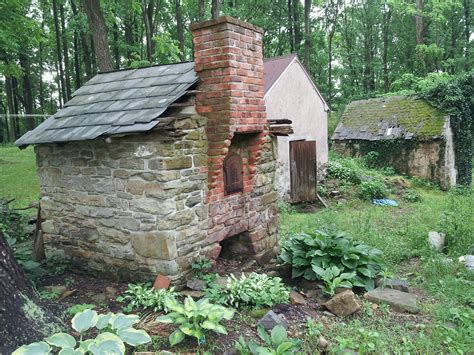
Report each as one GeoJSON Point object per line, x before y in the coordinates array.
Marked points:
{"type": "Point", "coordinates": [252, 290]}
{"type": "Point", "coordinates": [114, 331]}
{"type": "Point", "coordinates": [143, 296]}
{"type": "Point", "coordinates": [332, 257]}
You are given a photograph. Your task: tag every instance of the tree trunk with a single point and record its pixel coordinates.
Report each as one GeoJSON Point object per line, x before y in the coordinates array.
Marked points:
{"type": "Point", "coordinates": [67, 70]}
{"type": "Point", "coordinates": [57, 31]}
{"type": "Point", "coordinates": [3, 136]}
{"type": "Point", "coordinates": [419, 22]}
{"type": "Point", "coordinates": [41, 70]}
{"type": "Point", "coordinates": [290, 26]}
{"type": "Point", "coordinates": [215, 9]}
{"type": "Point", "coordinates": [23, 318]}
{"type": "Point", "coordinates": [27, 92]}
{"type": "Point", "coordinates": [467, 32]}
{"type": "Point", "coordinates": [86, 53]}
{"type": "Point", "coordinates": [99, 34]}
{"type": "Point", "coordinates": [116, 43]}
{"type": "Point", "coordinates": [180, 29]}
{"type": "Point", "coordinates": [386, 28]}
{"type": "Point", "coordinates": [147, 12]}
{"type": "Point", "coordinates": [296, 25]}
{"type": "Point", "coordinates": [307, 34]}
{"type": "Point", "coordinates": [201, 9]}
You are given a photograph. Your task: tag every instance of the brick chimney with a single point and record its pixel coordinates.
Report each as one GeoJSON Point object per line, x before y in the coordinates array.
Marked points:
{"type": "Point", "coordinates": [229, 63]}
{"type": "Point", "coordinates": [243, 217]}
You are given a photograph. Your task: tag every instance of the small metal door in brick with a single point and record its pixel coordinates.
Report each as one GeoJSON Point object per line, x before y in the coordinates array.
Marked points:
{"type": "Point", "coordinates": [303, 170]}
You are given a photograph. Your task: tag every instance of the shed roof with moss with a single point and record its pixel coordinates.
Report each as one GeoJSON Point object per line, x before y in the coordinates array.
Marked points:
{"type": "Point", "coordinates": [397, 117]}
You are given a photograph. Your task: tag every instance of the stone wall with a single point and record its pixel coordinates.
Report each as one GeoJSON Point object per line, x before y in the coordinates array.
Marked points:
{"type": "Point", "coordinates": [425, 159]}
{"type": "Point", "coordinates": [132, 207]}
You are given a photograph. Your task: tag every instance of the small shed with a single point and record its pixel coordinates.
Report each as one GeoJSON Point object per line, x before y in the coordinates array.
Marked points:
{"type": "Point", "coordinates": [409, 134]}
{"type": "Point", "coordinates": [302, 156]}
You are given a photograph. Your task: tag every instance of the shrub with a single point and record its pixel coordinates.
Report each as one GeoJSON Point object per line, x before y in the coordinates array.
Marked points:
{"type": "Point", "coordinates": [194, 318]}
{"type": "Point", "coordinates": [374, 188]}
{"type": "Point", "coordinates": [341, 171]}
{"type": "Point", "coordinates": [144, 296]}
{"type": "Point", "coordinates": [200, 266]}
{"type": "Point", "coordinates": [277, 342]}
{"type": "Point", "coordinates": [254, 290]}
{"type": "Point", "coordinates": [412, 196]}
{"type": "Point", "coordinates": [114, 330]}
{"type": "Point", "coordinates": [311, 255]}
{"type": "Point", "coordinates": [371, 159]}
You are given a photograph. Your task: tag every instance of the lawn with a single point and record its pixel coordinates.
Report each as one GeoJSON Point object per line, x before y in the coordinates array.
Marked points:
{"type": "Point", "coordinates": [18, 178]}
{"type": "Point", "coordinates": [443, 285]}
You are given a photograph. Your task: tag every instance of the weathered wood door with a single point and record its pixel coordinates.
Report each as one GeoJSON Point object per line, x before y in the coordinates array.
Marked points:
{"type": "Point", "coordinates": [303, 170]}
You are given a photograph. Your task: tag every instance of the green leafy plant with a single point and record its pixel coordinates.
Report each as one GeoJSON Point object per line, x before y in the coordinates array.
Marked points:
{"type": "Point", "coordinates": [49, 295]}
{"type": "Point", "coordinates": [313, 328]}
{"type": "Point", "coordinates": [78, 308]}
{"type": "Point", "coordinates": [252, 290]}
{"type": "Point", "coordinates": [146, 297]}
{"type": "Point", "coordinates": [200, 267]}
{"type": "Point", "coordinates": [114, 330]}
{"type": "Point", "coordinates": [334, 279]}
{"type": "Point", "coordinates": [374, 188]}
{"type": "Point", "coordinates": [340, 170]}
{"type": "Point", "coordinates": [194, 318]}
{"type": "Point", "coordinates": [277, 342]}
{"type": "Point", "coordinates": [412, 196]}
{"type": "Point", "coordinates": [371, 159]}
{"type": "Point", "coordinates": [311, 254]}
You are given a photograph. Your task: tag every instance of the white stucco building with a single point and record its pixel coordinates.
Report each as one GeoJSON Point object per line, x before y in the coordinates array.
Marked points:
{"type": "Point", "coordinates": [291, 94]}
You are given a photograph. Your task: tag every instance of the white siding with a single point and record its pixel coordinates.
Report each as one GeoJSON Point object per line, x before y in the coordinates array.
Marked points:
{"type": "Point", "coordinates": [293, 96]}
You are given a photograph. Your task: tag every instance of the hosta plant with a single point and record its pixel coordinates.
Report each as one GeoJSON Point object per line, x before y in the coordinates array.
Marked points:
{"type": "Point", "coordinates": [311, 254]}
{"type": "Point", "coordinates": [114, 331]}
{"type": "Point", "coordinates": [253, 290]}
{"type": "Point", "coordinates": [146, 297]}
{"type": "Point", "coordinates": [194, 319]}
{"type": "Point", "coordinates": [334, 279]}
{"type": "Point", "coordinates": [277, 342]}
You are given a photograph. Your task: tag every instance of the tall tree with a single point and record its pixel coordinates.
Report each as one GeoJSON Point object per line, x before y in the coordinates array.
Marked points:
{"type": "Point", "coordinates": [99, 34]}
{"type": "Point", "coordinates": [57, 30]}
{"type": "Point", "coordinates": [180, 28]}
{"type": "Point", "coordinates": [307, 33]}
{"type": "Point", "coordinates": [67, 70]}
{"type": "Point", "coordinates": [215, 8]}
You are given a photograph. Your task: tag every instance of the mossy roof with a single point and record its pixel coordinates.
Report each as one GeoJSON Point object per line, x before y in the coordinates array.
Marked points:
{"type": "Point", "coordinates": [397, 117]}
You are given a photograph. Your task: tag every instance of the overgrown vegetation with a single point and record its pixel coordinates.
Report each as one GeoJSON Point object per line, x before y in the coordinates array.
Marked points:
{"type": "Point", "coordinates": [332, 257]}
{"type": "Point", "coordinates": [250, 290]}
{"type": "Point", "coordinates": [143, 296]}
{"type": "Point", "coordinates": [277, 342]}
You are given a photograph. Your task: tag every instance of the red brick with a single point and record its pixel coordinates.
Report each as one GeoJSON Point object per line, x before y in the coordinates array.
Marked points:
{"type": "Point", "coordinates": [161, 282]}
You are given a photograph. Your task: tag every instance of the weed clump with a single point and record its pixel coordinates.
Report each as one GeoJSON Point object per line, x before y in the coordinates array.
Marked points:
{"type": "Point", "coordinates": [373, 189]}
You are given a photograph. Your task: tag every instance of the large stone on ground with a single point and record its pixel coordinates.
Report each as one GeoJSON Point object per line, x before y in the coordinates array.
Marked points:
{"type": "Point", "coordinates": [297, 298]}
{"type": "Point", "coordinates": [161, 282]}
{"type": "Point", "coordinates": [343, 304]}
{"type": "Point", "coordinates": [196, 284]}
{"type": "Point", "coordinates": [271, 320]}
{"type": "Point", "coordinates": [436, 240]}
{"type": "Point", "coordinates": [192, 293]}
{"type": "Point", "coordinates": [400, 285]}
{"type": "Point", "coordinates": [399, 301]}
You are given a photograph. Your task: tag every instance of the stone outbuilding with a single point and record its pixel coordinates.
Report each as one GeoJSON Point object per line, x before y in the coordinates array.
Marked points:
{"type": "Point", "coordinates": [303, 155]}
{"type": "Point", "coordinates": [146, 170]}
{"type": "Point", "coordinates": [409, 134]}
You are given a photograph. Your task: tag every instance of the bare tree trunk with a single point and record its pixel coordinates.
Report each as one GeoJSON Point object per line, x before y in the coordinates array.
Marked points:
{"type": "Point", "coordinates": [201, 9]}
{"type": "Point", "coordinates": [86, 54]}
{"type": "Point", "coordinates": [41, 70]}
{"type": "Point", "coordinates": [57, 31]}
{"type": "Point", "coordinates": [66, 53]}
{"type": "Point", "coordinates": [99, 34]}
{"type": "Point", "coordinates": [116, 42]}
{"type": "Point", "coordinates": [307, 33]}
{"type": "Point", "coordinates": [467, 32]}
{"type": "Point", "coordinates": [147, 12]}
{"type": "Point", "coordinates": [27, 92]}
{"type": "Point", "coordinates": [180, 29]}
{"type": "Point", "coordinates": [290, 26]}
{"type": "Point", "coordinates": [215, 9]}
{"type": "Point", "coordinates": [386, 28]}
{"type": "Point", "coordinates": [296, 24]}
{"type": "Point", "coordinates": [22, 316]}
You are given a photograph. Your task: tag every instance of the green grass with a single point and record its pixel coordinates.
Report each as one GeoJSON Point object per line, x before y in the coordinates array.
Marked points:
{"type": "Point", "coordinates": [18, 178]}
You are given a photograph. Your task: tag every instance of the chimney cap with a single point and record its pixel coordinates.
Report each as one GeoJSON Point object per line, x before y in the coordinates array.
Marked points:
{"type": "Point", "coordinates": [225, 19]}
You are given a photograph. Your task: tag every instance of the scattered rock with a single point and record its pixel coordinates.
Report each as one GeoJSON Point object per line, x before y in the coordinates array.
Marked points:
{"type": "Point", "coordinates": [343, 304]}
{"type": "Point", "coordinates": [436, 240]}
{"type": "Point", "coordinates": [196, 284]}
{"type": "Point", "coordinates": [309, 285]}
{"type": "Point", "coordinates": [322, 342]}
{"type": "Point", "coordinates": [400, 285]}
{"type": "Point", "coordinates": [111, 293]}
{"type": "Point", "coordinates": [328, 314]}
{"type": "Point", "coordinates": [468, 260]}
{"type": "Point", "coordinates": [221, 281]}
{"type": "Point", "coordinates": [99, 298]}
{"type": "Point", "coordinates": [273, 273]}
{"type": "Point", "coordinates": [67, 293]}
{"type": "Point", "coordinates": [297, 298]}
{"type": "Point", "coordinates": [271, 320]}
{"type": "Point", "coordinates": [161, 281]}
{"type": "Point", "coordinates": [192, 293]}
{"type": "Point", "coordinates": [59, 290]}
{"type": "Point", "coordinates": [399, 301]}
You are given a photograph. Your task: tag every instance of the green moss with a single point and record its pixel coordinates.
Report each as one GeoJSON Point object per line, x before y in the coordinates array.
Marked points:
{"type": "Point", "coordinates": [36, 315]}
{"type": "Point", "coordinates": [413, 115]}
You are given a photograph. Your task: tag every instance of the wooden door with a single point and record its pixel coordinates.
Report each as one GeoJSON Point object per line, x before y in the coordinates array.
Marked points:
{"type": "Point", "coordinates": [303, 170]}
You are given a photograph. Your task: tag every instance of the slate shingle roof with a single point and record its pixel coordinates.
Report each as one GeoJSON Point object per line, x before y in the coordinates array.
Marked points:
{"type": "Point", "coordinates": [125, 101]}
{"type": "Point", "coordinates": [397, 117]}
